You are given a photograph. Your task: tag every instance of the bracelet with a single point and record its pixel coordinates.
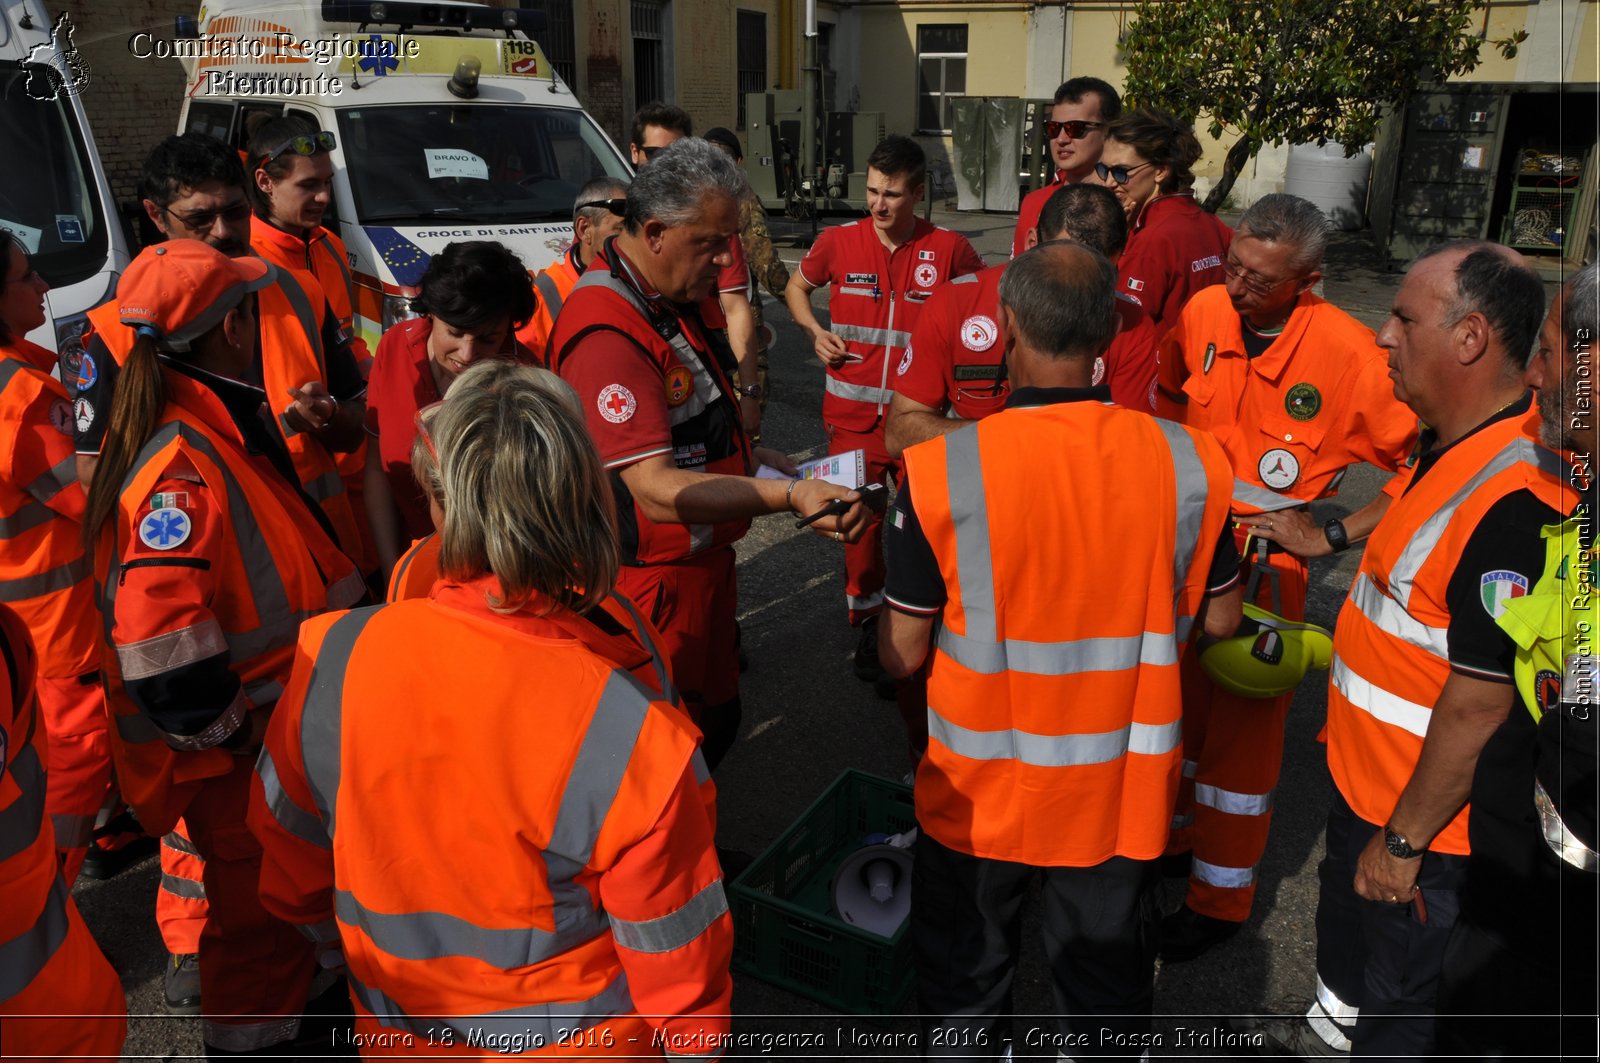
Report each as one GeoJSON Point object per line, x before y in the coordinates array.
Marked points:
{"type": "Point", "coordinates": [788, 498]}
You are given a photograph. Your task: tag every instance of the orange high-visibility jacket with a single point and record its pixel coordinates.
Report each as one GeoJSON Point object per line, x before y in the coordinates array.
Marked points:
{"type": "Point", "coordinates": [44, 570]}
{"type": "Point", "coordinates": [598, 898]}
{"type": "Point", "coordinates": [551, 286]}
{"type": "Point", "coordinates": [1292, 420]}
{"type": "Point", "coordinates": [1390, 649]}
{"type": "Point", "coordinates": [51, 970]}
{"type": "Point", "coordinates": [233, 563]}
{"type": "Point", "coordinates": [1053, 705]}
{"type": "Point", "coordinates": [290, 331]}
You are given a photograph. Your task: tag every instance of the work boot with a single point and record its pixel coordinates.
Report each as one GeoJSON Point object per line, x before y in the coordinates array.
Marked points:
{"type": "Point", "coordinates": [182, 984]}
{"type": "Point", "coordinates": [867, 667]}
{"type": "Point", "coordinates": [101, 864]}
{"type": "Point", "coordinates": [1286, 1035]}
{"type": "Point", "coordinates": [1186, 934]}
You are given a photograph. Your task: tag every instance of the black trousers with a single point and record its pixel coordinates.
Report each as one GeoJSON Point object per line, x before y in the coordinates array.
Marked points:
{"type": "Point", "coordinates": [1100, 939]}
{"type": "Point", "coordinates": [1379, 957]}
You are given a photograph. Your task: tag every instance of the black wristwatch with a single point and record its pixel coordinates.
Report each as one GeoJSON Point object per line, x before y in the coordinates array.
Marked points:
{"type": "Point", "coordinates": [1398, 846]}
{"type": "Point", "coordinates": [1337, 537]}
{"type": "Point", "coordinates": [751, 391]}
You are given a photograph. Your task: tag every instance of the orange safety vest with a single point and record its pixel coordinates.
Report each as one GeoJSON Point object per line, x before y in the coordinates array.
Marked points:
{"type": "Point", "coordinates": [1390, 649]}
{"type": "Point", "coordinates": [607, 903]}
{"type": "Point", "coordinates": [414, 574]}
{"type": "Point", "coordinates": [1294, 418]}
{"type": "Point", "coordinates": [277, 568]}
{"type": "Point", "coordinates": [551, 287]}
{"type": "Point", "coordinates": [58, 995]}
{"type": "Point", "coordinates": [1054, 716]}
{"type": "Point", "coordinates": [44, 569]}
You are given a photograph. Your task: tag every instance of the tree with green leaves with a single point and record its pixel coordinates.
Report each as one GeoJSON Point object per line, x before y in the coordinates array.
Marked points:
{"type": "Point", "coordinates": [1294, 71]}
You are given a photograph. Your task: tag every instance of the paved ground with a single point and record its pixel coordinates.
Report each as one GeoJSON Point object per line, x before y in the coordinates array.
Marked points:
{"type": "Point", "coordinates": [807, 718]}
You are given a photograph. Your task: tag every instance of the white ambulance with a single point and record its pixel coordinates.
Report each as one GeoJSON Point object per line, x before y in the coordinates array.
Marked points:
{"type": "Point", "coordinates": [450, 122]}
{"type": "Point", "coordinates": [54, 196]}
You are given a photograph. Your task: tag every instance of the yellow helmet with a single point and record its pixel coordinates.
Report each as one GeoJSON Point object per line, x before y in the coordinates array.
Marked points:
{"type": "Point", "coordinates": [1268, 656]}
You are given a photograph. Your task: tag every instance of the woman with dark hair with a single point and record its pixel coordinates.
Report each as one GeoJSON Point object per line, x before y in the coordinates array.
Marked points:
{"type": "Point", "coordinates": [475, 295]}
{"type": "Point", "coordinates": [208, 556]}
{"type": "Point", "coordinates": [1175, 246]}
{"type": "Point", "coordinates": [44, 573]}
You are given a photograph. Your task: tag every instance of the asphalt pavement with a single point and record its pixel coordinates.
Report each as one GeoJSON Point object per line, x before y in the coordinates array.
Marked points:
{"type": "Point", "coordinates": [807, 718]}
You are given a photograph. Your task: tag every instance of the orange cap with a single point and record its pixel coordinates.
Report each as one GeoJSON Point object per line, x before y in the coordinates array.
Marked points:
{"type": "Point", "coordinates": [182, 289]}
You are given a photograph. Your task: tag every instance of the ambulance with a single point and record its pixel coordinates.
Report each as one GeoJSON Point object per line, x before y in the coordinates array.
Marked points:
{"type": "Point", "coordinates": [450, 125]}
{"type": "Point", "coordinates": [54, 196]}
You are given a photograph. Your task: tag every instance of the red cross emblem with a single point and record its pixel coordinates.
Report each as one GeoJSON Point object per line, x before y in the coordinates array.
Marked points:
{"type": "Point", "coordinates": [617, 403]}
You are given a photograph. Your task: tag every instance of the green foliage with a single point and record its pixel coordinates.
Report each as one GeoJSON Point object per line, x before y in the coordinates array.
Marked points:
{"type": "Point", "coordinates": [1294, 71]}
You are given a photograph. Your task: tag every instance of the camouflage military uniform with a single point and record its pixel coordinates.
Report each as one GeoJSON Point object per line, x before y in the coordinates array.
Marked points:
{"type": "Point", "coordinates": [767, 269]}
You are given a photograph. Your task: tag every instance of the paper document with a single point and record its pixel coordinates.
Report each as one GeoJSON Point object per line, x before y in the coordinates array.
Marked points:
{"type": "Point", "coordinates": [847, 470]}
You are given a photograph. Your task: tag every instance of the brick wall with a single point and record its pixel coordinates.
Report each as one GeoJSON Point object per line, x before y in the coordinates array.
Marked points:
{"type": "Point", "coordinates": [705, 58]}
{"type": "Point", "coordinates": [602, 23]}
{"type": "Point", "coordinates": [131, 103]}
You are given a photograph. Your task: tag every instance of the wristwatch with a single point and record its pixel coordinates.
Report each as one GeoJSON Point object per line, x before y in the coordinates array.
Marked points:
{"type": "Point", "coordinates": [1337, 537]}
{"type": "Point", "coordinates": [1398, 846]}
{"type": "Point", "coordinates": [751, 391]}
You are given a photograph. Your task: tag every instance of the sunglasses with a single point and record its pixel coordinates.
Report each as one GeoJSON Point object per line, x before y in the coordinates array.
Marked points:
{"type": "Point", "coordinates": [1249, 281]}
{"type": "Point", "coordinates": [202, 221]}
{"type": "Point", "coordinates": [1119, 174]}
{"type": "Point", "coordinates": [617, 206]}
{"type": "Point", "coordinates": [1073, 127]}
{"type": "Point", "coordinates": [651, 153]}
{"type": "Point", "coordinates": [304, 144]}
{"type": "Point", "coordinates": [420, 420]}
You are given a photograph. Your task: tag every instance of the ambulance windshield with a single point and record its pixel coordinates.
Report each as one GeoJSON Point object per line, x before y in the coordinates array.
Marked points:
{"type": "Point", "coordinates": [47, 192]}
{"type": "Point", "coordinates": [483, 163]}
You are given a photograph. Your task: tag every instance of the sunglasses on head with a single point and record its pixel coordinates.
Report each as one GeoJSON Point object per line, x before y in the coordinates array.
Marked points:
{"type": "Point", "coordinates": [1119, 174]}
{"type": "Point", "coordinates": [304, 144]}
{"type": "Point", "coordinates": [616, 206]}
{"type": "Point", "coordinates": [202, 221]}
{"type": "Point", "coordinates": [421, 419]}
{"type": "Point", "coordinates": [1073, 127]}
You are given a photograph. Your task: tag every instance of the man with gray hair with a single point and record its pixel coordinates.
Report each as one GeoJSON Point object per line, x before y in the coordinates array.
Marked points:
{"type": "Point", "coordinates": [657, 388]}
{"type": "Point", "coordinates": [596, 218]}
{"type": "Point", "coordinates": [1296, 391]}
{"type": "Point", "coordinates": [1054, 737]}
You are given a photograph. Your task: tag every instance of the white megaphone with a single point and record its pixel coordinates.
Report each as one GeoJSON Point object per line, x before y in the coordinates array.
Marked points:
{"type": "Point", "coordinates": [872, 889]}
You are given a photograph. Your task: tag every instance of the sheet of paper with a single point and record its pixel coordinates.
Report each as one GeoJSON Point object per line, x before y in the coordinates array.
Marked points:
{"type": "Point", "coordinates": [454, 162]}
{"type": "Point", "coordinates": [848, 470]}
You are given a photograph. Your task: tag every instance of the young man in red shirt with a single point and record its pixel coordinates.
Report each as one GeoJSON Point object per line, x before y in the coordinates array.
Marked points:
{"type": "Point", "coordinates": [1076, 133]}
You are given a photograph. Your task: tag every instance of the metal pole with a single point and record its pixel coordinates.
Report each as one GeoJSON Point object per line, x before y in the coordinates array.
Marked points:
{"type": "Point", "coordinates": [808, 117]}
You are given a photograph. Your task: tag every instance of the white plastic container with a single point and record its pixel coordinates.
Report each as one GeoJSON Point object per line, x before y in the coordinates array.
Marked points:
{"type": "Point", "coordinates": [1334, 183]}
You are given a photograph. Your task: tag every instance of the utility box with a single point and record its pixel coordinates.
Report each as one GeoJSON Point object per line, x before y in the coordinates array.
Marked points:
{"type": "Point", "coordinates": [1000, 152]}
{"type": "Point", "coordinates": [844, 140]}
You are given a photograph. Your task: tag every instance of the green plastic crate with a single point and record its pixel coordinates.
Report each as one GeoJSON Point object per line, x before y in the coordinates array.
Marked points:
{"type": "Point", "coordinates": [785, 931]}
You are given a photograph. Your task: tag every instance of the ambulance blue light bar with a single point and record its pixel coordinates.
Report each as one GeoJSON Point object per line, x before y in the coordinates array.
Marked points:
{"type": "Point", "coordinates": [408, 14]}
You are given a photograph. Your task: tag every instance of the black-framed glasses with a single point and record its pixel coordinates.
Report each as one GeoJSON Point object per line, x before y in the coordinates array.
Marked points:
{"type": "Point", "coordinates": [616, 206]}
{"type": "Point", "coordinates": [1119, 174]}
{"type": "Point", "coordinates": [1248, 280]}
{"type": "Point", "coordinates": [1073, 127]}
{"type": "Point", "coordinates": [304, 144]}
{"type": "Point", "coordinates": [203, 220]}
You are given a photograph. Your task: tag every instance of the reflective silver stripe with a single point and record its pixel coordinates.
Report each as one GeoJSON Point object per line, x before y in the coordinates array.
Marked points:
{"type": "Point", "coordinates": [1426, 538]}
{"type": "Point", "coordinates": [1055, 751]}
{"type": "Point", "coordinates": [1333, 1007]}
{"type": "Point", "coordinates": [29, 515]}
{"type": "Point", "coordinates": [290, 816]}
{"type": "Point", "coordinates": [324, 932]}
{"type": "Point", "coordinates": [1391, 617]}
{"type": "Point", "coordinates": [856, 392]}
{"type": "Point", "coordinates": [326, 486]}
{"type": "Point", "coordinates": [1189, 475]}
{"type": "Point", "coordinates": [21, 820]}
{"type": "Point", "coordinates": [701, 536]}
{"type": "Point", "coordinates": [310, 317]}
{"type": "Point", "coordinates": [1228, 878]}
{"type": "Point", "coordinates": [263, 693]}
{"type": "Point", "coordinates": [72, 832]}
{"type": "Point", "coordinates": [866, 601]}
{"type": "Point", "coordinates": [223, 726]}
{"type": "Point", "coordinates": [187, 888]}
{"type": "Point", "coordinates": [845, 289]}
{"type": "Point", "coordinates": [175, 649]}
{"type": "Point", "coordinates": [534, 1026]}
{"type": "Point", "coordinates": [1189, 768]}
{"type": "Point", "coordinates": [969, 512]}
{"type": "Point", "coordinates": [675, 929]}
{"type": "Point", "coordinates": [706, 390]}
{"type": "Point", "coordinates": [1378, 702]}
{"type": "Point", "coordinates": [55, 579]}
{"type": "Point", "coordinates": [1184, 820]}
{"type": "Point", "coordinates": [339, 260]}
{"type": "Point", "coordinates": [248, 1036]}
{"type": "Point", "coordinates": [1260, 499]}
{"type": "Point", "coordinates": [173, 840]}
{"type": "Point", "coordinates": [24, 956]}
{"type": "Point", "coordinates": [1562, 841]}
{"type": "Point", "coordinates": [322, 715]}
{"type": "Point", "coordinates": [658, 660]}
{"type": "Point", "coordinates": [877, 337]}
{"type": "Point", "coordinates": [697, 764]}
{"type": "Point", "coordinates": [435, 935]}
{"type": "Point", "coordinates": [550, 293]}
{"type": "Point", "coordinates": [1234, 804]}
{"type": "Point", "coordinates": [1331, 1019]}
{"type": "Point", "coordinates": [1059, 658]}
{"type": "Point", "coordinates": [347, 591]}
{"type": "Point", "coordinates": [56, 479]}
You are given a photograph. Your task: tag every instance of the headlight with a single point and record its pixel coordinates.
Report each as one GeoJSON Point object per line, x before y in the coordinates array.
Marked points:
{"type": "Point", "coordinates": [69, 347]}
{"type": "Point", "coordinates": [397, 308]}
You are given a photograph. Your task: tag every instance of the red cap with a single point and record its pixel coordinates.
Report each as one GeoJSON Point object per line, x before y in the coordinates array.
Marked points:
{"type": "Point", "coordinates": [182, 289]}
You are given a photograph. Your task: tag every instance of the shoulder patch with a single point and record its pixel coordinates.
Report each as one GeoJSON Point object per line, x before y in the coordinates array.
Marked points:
{"type": "Point", "coordinates": [926, 275]}
{"type": "Point", "coordinates": [1497, 588]}
{"type": "Point", "coordinates": [1303, 402]}
{"type": "Point", "coordinates": [616, 403]}
{"type": "Point", "coordinates": [680, 385]}
{"type": "Point", "coordinates": [166, 528]}
{"type": "Point", "coordinates": [61, 417]}
{"type": "Point", "coordinates": [83, 414]}
{"type": "Point", "coordinates": [905, 363]}
{"type": "Point", "coordinates": [979, 332]}
{"type": "Point", "coordinates": [88, 372]}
